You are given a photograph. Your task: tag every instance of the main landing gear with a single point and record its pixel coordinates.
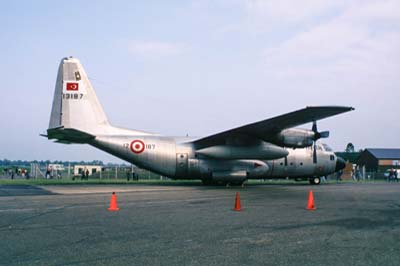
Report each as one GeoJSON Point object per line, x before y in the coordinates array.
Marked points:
{"type": "Point", "coordinates": [316, 180]}
{"type": "Point", "coordinates": [208, 182]}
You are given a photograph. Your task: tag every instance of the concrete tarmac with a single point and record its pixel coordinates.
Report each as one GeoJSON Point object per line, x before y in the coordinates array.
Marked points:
{"type": "Point", "coordinates": [354, 224]}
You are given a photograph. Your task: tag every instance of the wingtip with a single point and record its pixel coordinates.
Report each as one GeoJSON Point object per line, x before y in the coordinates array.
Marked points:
{"type": "Point", "coordinates": [347, 108]}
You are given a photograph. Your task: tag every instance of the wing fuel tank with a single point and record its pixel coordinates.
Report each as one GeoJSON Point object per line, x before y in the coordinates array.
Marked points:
{"type": "Point", "coordinates": [229, 176]}
{"type": "Point", "coordinates": [264, 150]}
{"type": "Point", "coordinates": [244, 169]}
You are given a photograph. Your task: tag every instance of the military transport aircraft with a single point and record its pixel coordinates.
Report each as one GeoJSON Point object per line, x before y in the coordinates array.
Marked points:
{"type": "Point", "coordinates": [272, 148]}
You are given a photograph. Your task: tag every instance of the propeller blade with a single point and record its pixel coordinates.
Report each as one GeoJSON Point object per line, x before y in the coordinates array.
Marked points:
{"type": "Point", "coordinates": [318, 135]}
{"type": "Point", "coordinates": [314, 127]}
{"type": "Point", "coordinates": [315, 152]}
{"type": "Point", "coordinates": [324, 134]}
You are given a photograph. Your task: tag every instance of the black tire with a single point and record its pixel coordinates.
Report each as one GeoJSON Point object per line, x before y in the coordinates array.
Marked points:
{"type": "Point", "coordinates": [236, 183]}
{"type": "Point", "coordinates": [316, 180]}
{"type": "Point", "coordinates": [207, 182]}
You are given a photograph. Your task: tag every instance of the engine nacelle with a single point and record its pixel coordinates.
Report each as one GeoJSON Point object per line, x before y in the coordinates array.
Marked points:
{"type": "Point", "coordinates": [261, 150]}
{"type": "Point", "coordinates": [230, 171]}
{"type": "Point", "coordinates": [295, 138]}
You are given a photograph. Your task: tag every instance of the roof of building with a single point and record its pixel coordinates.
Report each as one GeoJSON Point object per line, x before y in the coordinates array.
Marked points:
{"type": "Point", "coordinates": [385, 153]}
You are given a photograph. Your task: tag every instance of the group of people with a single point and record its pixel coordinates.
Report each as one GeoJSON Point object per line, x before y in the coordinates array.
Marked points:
{"type": "Point", "coordinates": [392, 177]}
{"type": "Point", "coordinates": [131, 175]}
{"type": "Point", "coordinates": [356, 174]}
{"type": "Point", "coordinates": [51, 173]}
{"type": "Point", "coordinates": [21, 172]}
{"type": "Point", "coordinates": [85, 175]}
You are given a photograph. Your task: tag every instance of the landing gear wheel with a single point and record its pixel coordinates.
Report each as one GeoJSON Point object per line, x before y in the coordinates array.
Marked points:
{"type": "Point", "coordinates": [315, 180]}
{"type": "Point", "coordinates": [241, 183]}
{"type": "Point", "coordinates": [207, 182]}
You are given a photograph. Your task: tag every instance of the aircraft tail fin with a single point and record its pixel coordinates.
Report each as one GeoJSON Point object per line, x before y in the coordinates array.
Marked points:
{"type": "Point", "coordinates": [75, 104]}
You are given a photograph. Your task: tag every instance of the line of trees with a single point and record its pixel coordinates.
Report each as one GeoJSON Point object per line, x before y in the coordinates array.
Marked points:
{"type": "Point", "coordinates": [25, 163]}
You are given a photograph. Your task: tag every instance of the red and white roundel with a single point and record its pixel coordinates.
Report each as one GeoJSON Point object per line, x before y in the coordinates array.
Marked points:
{"type": "Point", "coordinates": [137, 146]}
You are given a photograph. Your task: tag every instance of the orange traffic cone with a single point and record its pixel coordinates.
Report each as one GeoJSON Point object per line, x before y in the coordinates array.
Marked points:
{"type": "Point", "coordinates": [113, 203]}
{"type": "Point", "coordinates": [238, 207]}
{"type": "Point", "coordinates": [311, 205]}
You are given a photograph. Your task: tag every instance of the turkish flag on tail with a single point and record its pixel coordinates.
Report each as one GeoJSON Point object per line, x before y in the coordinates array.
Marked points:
{"type": "Point", "coordinates": [72, 86]}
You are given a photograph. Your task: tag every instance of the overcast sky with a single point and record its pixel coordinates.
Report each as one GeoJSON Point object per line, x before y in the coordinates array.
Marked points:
{"type": "Point", "coordinates": [199, 67]}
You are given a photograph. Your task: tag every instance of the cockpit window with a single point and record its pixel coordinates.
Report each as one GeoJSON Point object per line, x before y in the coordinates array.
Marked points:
{"type": "Point", "coordinates": [326, 147]}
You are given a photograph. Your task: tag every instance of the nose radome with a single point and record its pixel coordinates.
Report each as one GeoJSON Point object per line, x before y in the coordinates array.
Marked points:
{"type": "Point", "coordinates": [340, 164]}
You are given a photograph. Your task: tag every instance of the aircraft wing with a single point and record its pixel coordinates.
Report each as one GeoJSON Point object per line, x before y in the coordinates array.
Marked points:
{"type": "Point", "coordinates": [265, 129]}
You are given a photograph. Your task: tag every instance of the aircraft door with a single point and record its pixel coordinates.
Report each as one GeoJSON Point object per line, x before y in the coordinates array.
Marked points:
{"type": "Point", "coordinates": [181, 164]}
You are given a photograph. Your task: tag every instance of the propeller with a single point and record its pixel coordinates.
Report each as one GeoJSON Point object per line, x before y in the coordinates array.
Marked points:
{"type": "Point", "coordinates": [317, 136]}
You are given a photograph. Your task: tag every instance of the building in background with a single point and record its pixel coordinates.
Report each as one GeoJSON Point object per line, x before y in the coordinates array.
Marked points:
{"type": "Point", "coordinates": [56, 167]}
{"type": "Point", "coordinates": [93, 169]}
{"type": "Point", "coordinates": [379, 160]}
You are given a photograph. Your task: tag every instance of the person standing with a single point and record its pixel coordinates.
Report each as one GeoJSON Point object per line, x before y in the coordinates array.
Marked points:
{"type": "Point", "coordinates": [87, 174]}
{"type": "Point", "coordinates": [339, 176]}
{"type": "Point", "coordinates": [357, 173]}
{"type": "Point", "coordinates": [47, 172]}
{"type": "Point", "coordinates": [390, 177]}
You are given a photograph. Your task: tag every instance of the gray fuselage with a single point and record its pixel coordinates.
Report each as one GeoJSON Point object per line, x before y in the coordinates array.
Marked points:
{"type": "Point", "coordinates": [177, 158]}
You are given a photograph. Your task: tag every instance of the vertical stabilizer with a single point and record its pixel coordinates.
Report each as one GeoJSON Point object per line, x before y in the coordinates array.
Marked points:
{"type": "Point", "coordinates": [75, 104]}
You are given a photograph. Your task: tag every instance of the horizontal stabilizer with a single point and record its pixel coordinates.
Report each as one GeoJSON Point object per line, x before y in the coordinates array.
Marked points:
{"type": "Point", "coordinates": [68, 135]}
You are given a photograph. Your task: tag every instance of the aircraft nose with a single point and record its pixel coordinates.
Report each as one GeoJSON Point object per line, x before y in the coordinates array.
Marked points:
{"type": "Point", "coordinates": [340, 164]}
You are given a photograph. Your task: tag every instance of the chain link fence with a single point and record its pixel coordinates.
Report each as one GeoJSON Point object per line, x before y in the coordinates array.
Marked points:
{"type": "Point", "coordinates": [131, 173]}
{"type": "Point", "coordinates": [77, 172]}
